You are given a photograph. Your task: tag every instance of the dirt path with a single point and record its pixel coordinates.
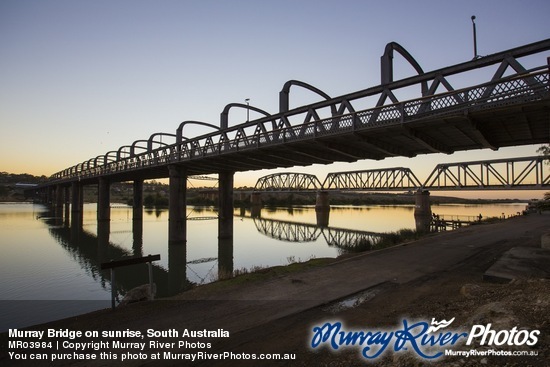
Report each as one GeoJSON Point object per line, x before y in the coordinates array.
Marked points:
{"type": "Point", "coordinates": [437, 277]}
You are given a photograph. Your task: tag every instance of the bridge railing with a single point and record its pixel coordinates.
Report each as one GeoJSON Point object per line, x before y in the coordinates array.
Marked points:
{"type": "Point", "coordinates": [529, 86]}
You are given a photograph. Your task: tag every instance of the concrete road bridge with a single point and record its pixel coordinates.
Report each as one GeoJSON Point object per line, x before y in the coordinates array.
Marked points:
{"type": "Point", "coordinates": [509, 107]}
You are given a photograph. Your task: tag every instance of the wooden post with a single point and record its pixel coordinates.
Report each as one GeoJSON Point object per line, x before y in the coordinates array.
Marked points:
{"type": "Point", "coordinates": [130, 261]}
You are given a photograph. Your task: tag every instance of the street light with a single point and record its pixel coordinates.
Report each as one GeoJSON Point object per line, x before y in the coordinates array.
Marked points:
{"type": "Point", "coordinates": [247, 109]}
{"type": "Point", "coordinates": [475, 36]}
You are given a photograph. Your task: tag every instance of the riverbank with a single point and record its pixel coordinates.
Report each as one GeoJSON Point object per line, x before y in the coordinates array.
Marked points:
{"type": "Point", "coordinates": [439, 277]}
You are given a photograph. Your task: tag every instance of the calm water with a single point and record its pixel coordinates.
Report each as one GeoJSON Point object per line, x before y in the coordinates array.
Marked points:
{"type": "Point", "coordinates": [50, 270]}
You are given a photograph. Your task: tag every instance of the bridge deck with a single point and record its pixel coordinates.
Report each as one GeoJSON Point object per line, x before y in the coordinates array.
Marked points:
{"type": "Point", "coordinates": [507, 111]}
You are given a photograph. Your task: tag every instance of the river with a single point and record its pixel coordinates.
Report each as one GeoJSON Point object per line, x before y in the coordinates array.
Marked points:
{"type": "Point", "coordinates": [51, 270]}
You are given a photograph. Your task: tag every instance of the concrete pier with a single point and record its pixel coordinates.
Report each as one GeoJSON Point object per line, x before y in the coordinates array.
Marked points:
{"type": "Point", "coordinates": [225, 258]}
{"type": "Point", "coordinates": [177, 220]}
{"type": "Point", "coordinates": [104, 200]}
{"type": "Point", "coordinates": [225, 205]}
{"type": "Point", "coordinates": [256, 208]}
{"type": "Point", "coordinates": [322, 208]}
{"type": "Point", "coordinates": [67, 211]}
{"type": "Point", "coordinates": [422, 210]}
{"type": "Point", "coordinates": [177, 269]}
{"type": "Point", "coordinates": [59, 199]}
{"type": "Point", "coordinates": [77, 204]}
{"type": "Point", "coordinates": [137, 205]}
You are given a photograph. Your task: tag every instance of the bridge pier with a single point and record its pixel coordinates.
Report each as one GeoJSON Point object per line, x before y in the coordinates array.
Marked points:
{"type": "Point", "coordinates": [137, 218]}
{"type": "Point", "coordinates": [77, 204]}
{"type": "Point", "coordinates": [177, 220]}
{"type": "Point", "coordinates": [59, 200]}
{"type": "Point", "coordinates": [50, 195]}
{"type": "Point", "coordinates": [177, 269]}
{"type": "Point", "coordinates": [104, 200]}
{"type": "Point", "coordinates": [225, 258]}
{"type": "Point", "coordinates": [322, 208]}
{"type": "Point", "coordinates": [225, 205]}
{"type": "Point", "coordinates": [422, 210]}
{"type": "Point", "coordinates": [256, 201]}
{"type": "Point", "coordinates": [103, 236]}
{"type": "Point", "coordinates": [66, 214]}
{"type": "Point", "coordinates": [137, 212]}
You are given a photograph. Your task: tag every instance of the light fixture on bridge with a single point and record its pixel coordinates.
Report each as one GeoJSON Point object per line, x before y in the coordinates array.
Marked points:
{"type": "Point", "coordinates": [475, 37]}
{"type": "Point", "coordinates": [247, 109]}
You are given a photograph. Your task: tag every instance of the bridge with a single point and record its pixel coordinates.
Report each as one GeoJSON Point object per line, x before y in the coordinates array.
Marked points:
{"type": "Point", "coordinates": [524, 173]}
{"type": "Point", "coordinates": [509, 108]}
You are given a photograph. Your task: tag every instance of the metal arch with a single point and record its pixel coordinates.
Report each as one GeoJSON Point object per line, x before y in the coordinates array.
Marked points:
{"type": "Point", "coordinates": [121, 151]}
{"type": "Point", "coordinates": [104, 157]}
{"type": "Point", "coordinates": [134, 146]}
{"type": "Point", "coordinates": [109, 154]}
{"type": "Point", "coordinates": [79, 167]}
{"type": "Point", "coordinates": [386, 63]}
{"type": "Point", "coordinates": [224, 116]}
{"type": "Point", "coordinates": [179, 130]}
{"type": "Point", "coordinates": [151, 140]}
{"type": "Point", "coordinates": [288, 181]}
{"type": "Point", "coordinates": [386, 70]}
{"type": "Point", "coordinates": [89, 162]}
{"type": "Point", "coordinates": [96, 158]}
{"type": "Point", "coordinates": [284, 103]}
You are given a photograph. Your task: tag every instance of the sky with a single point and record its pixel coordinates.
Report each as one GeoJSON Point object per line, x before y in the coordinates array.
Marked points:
{"type": "Point", "coordinates": [80, 78]}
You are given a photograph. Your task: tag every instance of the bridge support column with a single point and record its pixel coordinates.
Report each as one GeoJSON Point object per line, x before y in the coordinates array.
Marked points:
{"type": "Point", "coordinates": [49, 194]}
{"type": "Point", "coordinates": [77, 204]}
{"type": "Point", "coordinates": [256, 201]}
{"type": "Point", "coordinates": [137, 213]}
{"type": "Point", "coordinates": [322, 208]}
{"type": "Point", "coordinates": [225, 258]}
{"type": "Point", "coordinates": [104, 200]}
{"type": "Point", "coordinates": [67, 190]}
{"type": "Point", "coordinates": [225, 205]}
{"type": "Point", "coordinates": [422, 211]}
{"type": "Point", "coordinates": [137, 218]}
{"type": "Point", "coordinates": [177, 269]}
{"type": "Point", "coordinates": [59, 192]}
{"type": "Point", "coordinates": [177, 220]}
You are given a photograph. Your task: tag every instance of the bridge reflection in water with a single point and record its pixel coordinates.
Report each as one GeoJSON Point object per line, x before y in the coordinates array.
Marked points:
{"type": "Point", "coordinates": [348, 240]}
{"type": "Point", "coordinates": [208, 258]}
{"type": "Point", "coordinates": [345, 239]}
{"type": "Point", "coordinates": [90, 250]}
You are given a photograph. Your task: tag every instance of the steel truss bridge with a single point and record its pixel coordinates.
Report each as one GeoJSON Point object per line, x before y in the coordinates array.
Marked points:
{"type": "Point", "coordinates": [346, 239]}
{"type": "Point", "coordinates": [509, 108]}
{"type": "Point", "coordinates": [527, 173]}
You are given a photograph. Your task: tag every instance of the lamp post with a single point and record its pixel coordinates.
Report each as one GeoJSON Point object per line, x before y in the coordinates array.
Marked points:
{"type": "Point", "coordinates": [247, 109]}
{"type": "Point", "coordinates": [475, 36]}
